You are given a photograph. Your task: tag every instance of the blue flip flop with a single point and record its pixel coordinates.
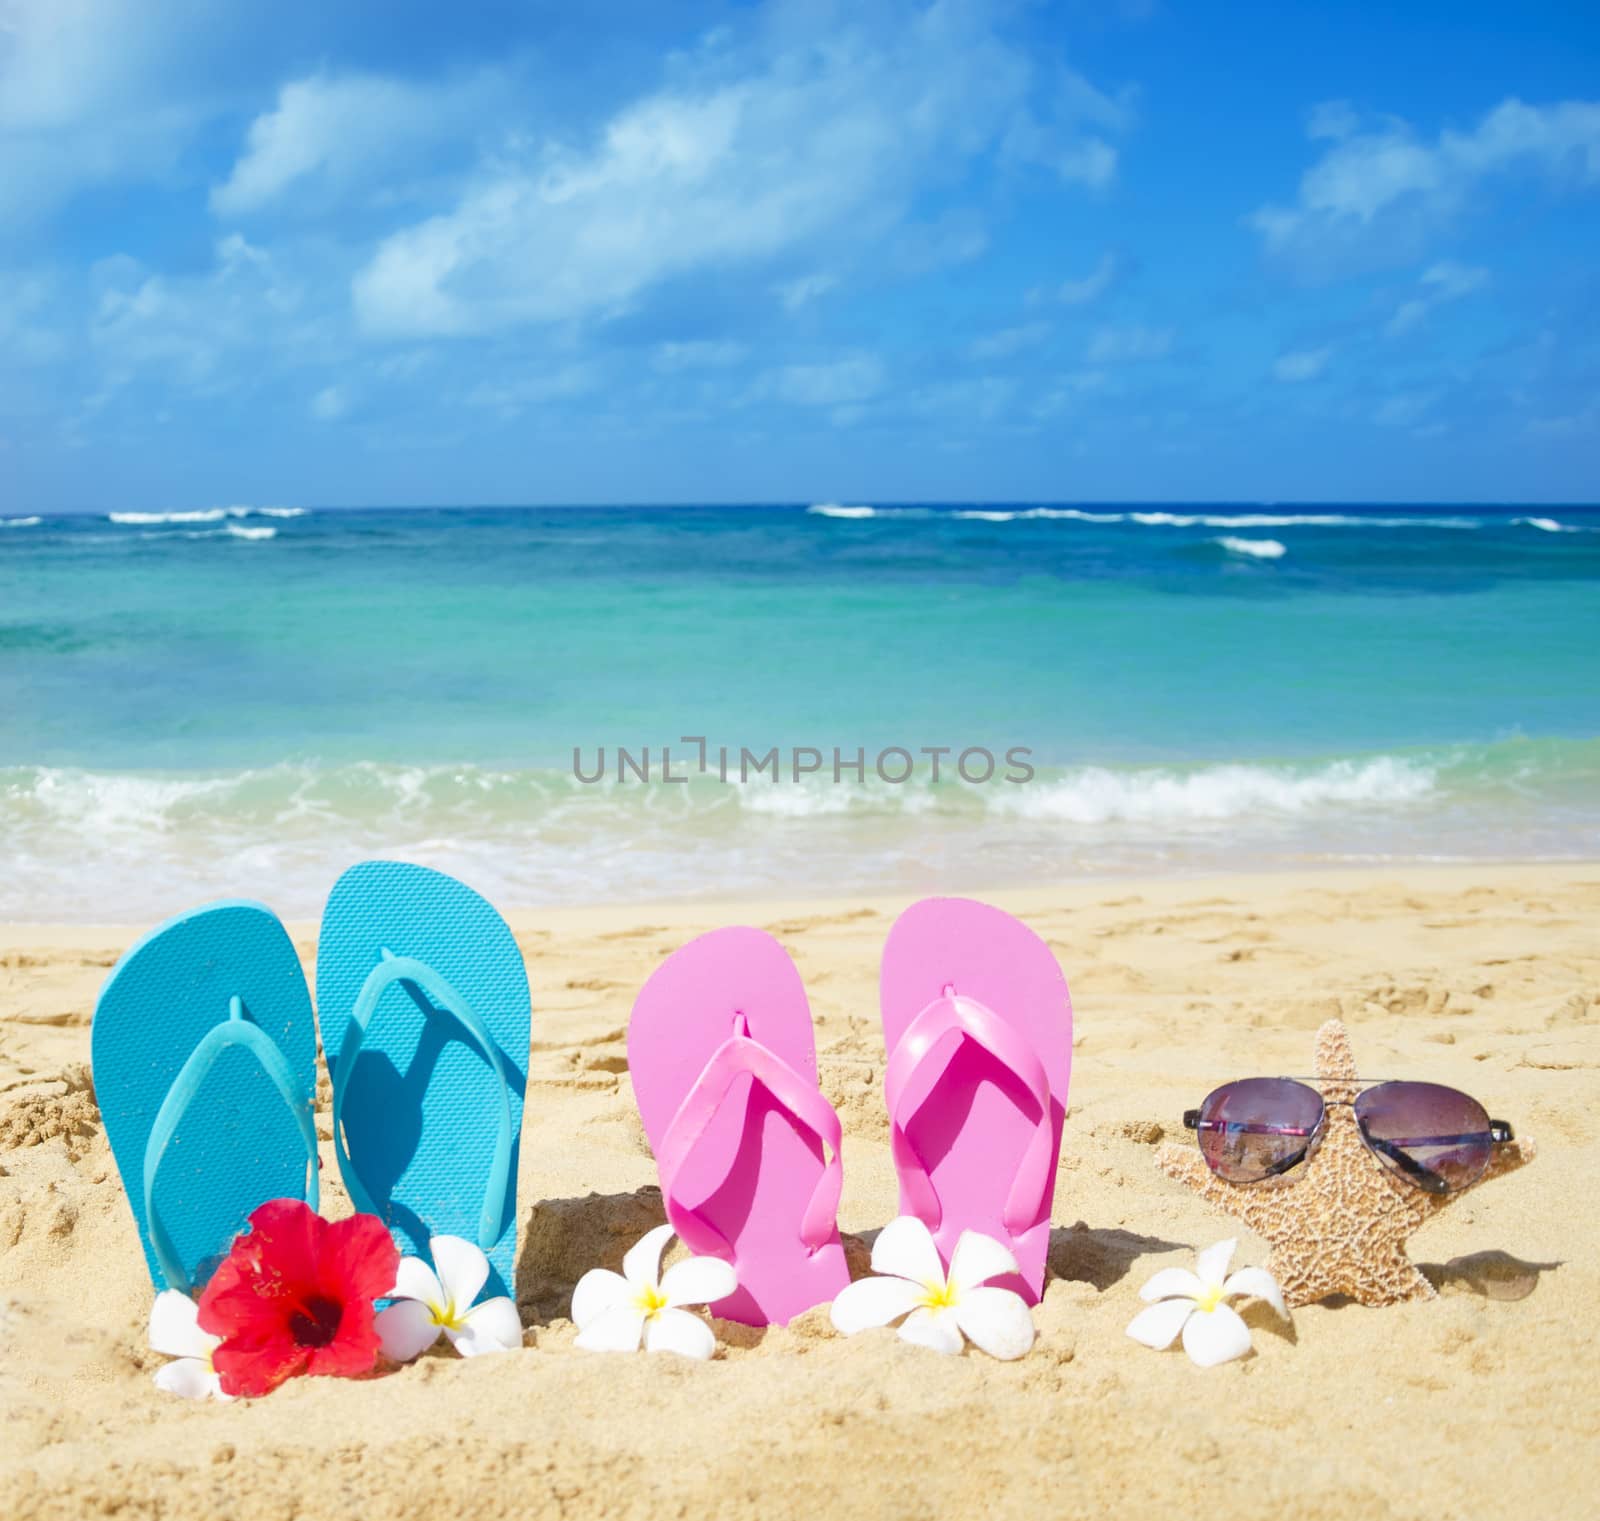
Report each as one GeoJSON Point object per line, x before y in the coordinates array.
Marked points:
{"type": "Point", "coordinates": [423, 1002]}
{"type": "Point", "coordinates": [204, 1057]}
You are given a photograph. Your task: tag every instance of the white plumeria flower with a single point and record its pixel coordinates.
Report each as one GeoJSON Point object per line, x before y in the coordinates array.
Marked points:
{"type": "Point", "coordinates": [614, 1311]}
{"type": "Point", "coordinates": [940, 1310]}
{"type": "Point", "coordinates": [1193, 1304]}
{"type": "Point", "coordinates": [175, 1330]}
{"type": "Point", "coordinates": [429, 1301]}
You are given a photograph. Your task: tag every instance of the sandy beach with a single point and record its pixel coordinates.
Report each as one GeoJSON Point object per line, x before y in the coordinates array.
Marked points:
{"type": "Point", "coordinates": [1484, 1401]}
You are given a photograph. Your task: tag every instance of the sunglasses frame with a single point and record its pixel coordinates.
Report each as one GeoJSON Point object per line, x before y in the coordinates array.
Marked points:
{"type": "Point", "coordinates": [1500, 1132]}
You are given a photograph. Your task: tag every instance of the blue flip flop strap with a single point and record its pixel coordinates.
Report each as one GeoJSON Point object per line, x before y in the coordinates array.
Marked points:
{"type": "Point", "coordinates": [439, 994]}
{"type": "Point", "coordinates": [237, 1031]}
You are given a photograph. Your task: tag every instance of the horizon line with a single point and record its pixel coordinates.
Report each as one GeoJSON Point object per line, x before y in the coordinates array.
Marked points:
{"type": "Point", "coordinates": [790, 504]}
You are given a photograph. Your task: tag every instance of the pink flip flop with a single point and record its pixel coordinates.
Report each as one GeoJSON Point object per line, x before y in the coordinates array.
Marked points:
{"type": "Point", "coordinates": [724, 1068]}
{"type": "Point", "coordinates": [978, 1026]}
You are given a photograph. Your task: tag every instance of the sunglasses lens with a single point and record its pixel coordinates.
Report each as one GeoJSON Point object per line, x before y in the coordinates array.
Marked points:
{"type": "Point", "coordinates": [1435, 1138]}
{"type": "Point", "coordinates": [1258, 1127]}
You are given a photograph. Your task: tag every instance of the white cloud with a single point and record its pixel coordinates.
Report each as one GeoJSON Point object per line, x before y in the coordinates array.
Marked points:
{"type": "Point", "coordinates": [1301, 364]}
{"type": "Point", "coordinates": [403, 365]}
{"type": "Point", "coordinates": [698, 354]}
{"type": "Point", "coordinates": [1386, 190]}
{"type": "Point", "coordinates": [181, 327]}
{"type": "Point", "coordinates": [1090, 161]}
{"type": "Point", "coordinates": [1059, 139]}
{"type": "Point", "coordinates": [1093, 285]}
{"type": "Point", "coordinates": [1452, 281]}
{"type": "Point", "coordinates": [330, 404]}
{"type": "Point", "coordinates": [26, 334]}
{"type": "Point", "coordinates": [1563, 426]}
{"type": "Point", "coordinates": [343, 127]}
{"type": "Point", "coordinates": [1129, 345]}
{"type": "Point", "coordinates": [1009, 341]}
{"type": "Point", "coordinates": [954, 237]}
{"type": "Point", "coordinates": [984, 398]}
{"type": "Point", "coordinates": [1067, 392]}
{"type": "Point", "coordinates": [1404, 409]}
{"type": "Point", "coordinates": [1332, 119]}
{"type": "Point", "coordinates": [1441, 283]}
{"type": "Point", "coordinates": [797, 293]}
{"type": "Point", "coordinates": [749, 152]}
{"type": "Point", "coordinates": [59, 58]}
{"type": "Point", "coordinates": [511, 398]}
{"type": "Point", "coordinates": [855, 379]}
{"type": "Point", "coordinates": [85, 99]}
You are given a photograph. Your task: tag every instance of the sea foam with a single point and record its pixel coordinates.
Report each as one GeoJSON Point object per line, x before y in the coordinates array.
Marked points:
{"type": "Point", "coordinates": [1547, 525]}
{"type": "Point", "coordinates": [203, 515]}
{"type": "Point", "coordinates": [1256, 549]}
{"type": "Point", "coordinates": [1218, 794]}
{"type": "Point", "coordinates": [145, 519]}
{"type": "Point", "coordinates": [531, 836]}
{"type": "Point", "coordinates": [1163, 519]}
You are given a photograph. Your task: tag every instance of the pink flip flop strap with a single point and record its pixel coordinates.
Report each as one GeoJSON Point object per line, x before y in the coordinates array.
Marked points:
{"type": "Point", "coordinates": [737, 1055]}
{"type": "Point", "coordinates": [920, 1058]}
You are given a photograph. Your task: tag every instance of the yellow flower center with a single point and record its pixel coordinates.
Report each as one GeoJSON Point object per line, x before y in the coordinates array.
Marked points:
{"type": "Point", "coordinates": [652, 1301]}
{"type": "Point", "coordinates": [939, 1296]}
{"type": "Point", "coordinates": [1210, 1299]}
{"type": "Point", "coordinates": [445, 1315]}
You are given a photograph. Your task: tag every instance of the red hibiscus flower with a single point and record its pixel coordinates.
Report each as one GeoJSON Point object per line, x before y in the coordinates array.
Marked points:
{"type": "Point", "coordinates": [294, 1295]}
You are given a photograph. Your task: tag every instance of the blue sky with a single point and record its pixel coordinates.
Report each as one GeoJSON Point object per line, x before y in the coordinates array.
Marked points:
{"type": "Point", "coordinates": [539, 252]}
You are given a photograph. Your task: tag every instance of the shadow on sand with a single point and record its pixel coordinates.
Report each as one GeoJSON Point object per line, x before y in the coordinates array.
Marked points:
{"type": "Point", "coordinates": [1100, 1257]}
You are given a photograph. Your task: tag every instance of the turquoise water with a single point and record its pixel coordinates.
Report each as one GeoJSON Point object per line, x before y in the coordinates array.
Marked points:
{"type": "Point", "coordinates": [243, 701]}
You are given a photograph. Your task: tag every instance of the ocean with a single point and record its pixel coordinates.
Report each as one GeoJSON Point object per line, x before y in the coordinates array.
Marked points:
{"type": "Point", "coordinates": [241, 701]}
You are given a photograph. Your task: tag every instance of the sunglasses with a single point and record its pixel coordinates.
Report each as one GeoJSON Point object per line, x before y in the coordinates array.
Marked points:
{"type": "Point", "coordinates": [1436, 1138]}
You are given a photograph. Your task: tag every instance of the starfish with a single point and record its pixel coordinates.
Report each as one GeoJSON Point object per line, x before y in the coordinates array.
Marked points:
{"type": "Point", "coordinates": [1340, 1226]}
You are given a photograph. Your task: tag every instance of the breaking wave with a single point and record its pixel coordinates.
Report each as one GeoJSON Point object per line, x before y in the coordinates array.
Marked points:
{"type": "Point", "coordinates": [158, 841]}
{"type": "Point", "coordinates": [202, 515]}
{"type": "Point", "coordinates": [1165, 519]}
{"type": "Point", "coordinates": [1222, 793]}
{"type": "Point", "coordinates": [1213, 519]}
{"type": "Point", "coordinates": [1255, 549]}
{"type": "Point", "coordinates": [1550, 525]}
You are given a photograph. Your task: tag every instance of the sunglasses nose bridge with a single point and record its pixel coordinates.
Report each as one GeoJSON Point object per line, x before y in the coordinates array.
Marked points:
{"type": "Point", "coordinates": [1339, 1092]}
